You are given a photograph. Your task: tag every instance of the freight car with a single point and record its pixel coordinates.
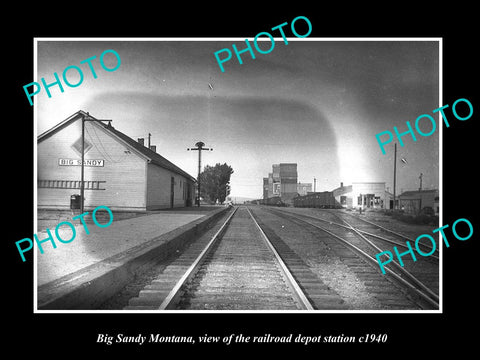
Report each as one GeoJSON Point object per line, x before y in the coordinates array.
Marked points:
{"type": "Point", "coordinates": [274, 201]}
{"type": "Point", "coordinates": [324, 200]}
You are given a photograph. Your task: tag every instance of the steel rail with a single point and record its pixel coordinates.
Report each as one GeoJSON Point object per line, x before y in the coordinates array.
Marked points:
{"type": "Point", "coordinates": [429, 296]}
{"type": "Point", "coordinates": [173, 295]}
{"type": "Point", "coordinates": [385, 229]}
{"type": "Point", "coordinates": [395, 242]}
{"type": "Point", "coordinates": [368, 233]}
{"type": "Point", "coordinates": [400, 268]}
{"type": "Point", "coordinates": [381, 237]}
{"type": "Point", "coordinates": [395, 263]}
{"type": "Point", "coordinates": [392, 232]}
{"type": "Point", "coordinates": [300, 296]}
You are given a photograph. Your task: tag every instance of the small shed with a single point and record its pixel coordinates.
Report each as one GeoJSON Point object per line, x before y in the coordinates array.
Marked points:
{"type": "Point", "coordinates": [416, 201]}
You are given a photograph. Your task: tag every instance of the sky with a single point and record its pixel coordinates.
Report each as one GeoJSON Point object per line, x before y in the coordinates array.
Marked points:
{"type": "Point", "coordinates": [312, 102]}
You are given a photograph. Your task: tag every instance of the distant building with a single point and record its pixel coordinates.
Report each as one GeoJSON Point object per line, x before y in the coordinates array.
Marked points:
{"type": "Point", "coordinates": [304, 188]}
{"type": "Point", "coordinates": [364, 195]}
{"type": "Point", "coordinates": [282, 182]}
{"type": "Point", "coordinates": [416, 201]}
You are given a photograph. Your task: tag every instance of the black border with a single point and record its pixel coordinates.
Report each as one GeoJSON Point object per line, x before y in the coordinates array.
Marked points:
{"type": "Point", "coordinates": [68, 334]}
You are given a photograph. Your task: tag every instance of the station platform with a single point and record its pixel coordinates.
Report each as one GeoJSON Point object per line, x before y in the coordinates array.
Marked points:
{"type": "Point", "coordinates": [83, 273]}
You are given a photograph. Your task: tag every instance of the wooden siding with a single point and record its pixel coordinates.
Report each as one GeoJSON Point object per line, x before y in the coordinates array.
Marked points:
{"type": "Point", "coordinates": [123, 171]}
{"type": "Point", "coordinates": [159, 188]}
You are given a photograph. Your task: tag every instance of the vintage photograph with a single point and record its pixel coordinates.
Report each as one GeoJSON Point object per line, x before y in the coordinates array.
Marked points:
{"type": "Point", "coordinates": [169, 180]}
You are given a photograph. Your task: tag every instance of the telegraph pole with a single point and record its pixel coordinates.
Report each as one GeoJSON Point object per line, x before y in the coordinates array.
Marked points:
{"type": "Point", "coordinates": [82, 185]}
{"type": "Point", "coordinates": [82, 181]}
{"type": "Point", "coordinates": [420, 177]}
{"type": "Point", "coordinates": [199, 147]}
{"type": "Point", "coordinates": [314, 185]}
{"type": "Point", "coordinates": [394, 177]}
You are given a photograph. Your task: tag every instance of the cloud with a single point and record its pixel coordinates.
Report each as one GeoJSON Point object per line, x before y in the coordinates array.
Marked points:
{"type": "Point", "coordinates": [248, 132]}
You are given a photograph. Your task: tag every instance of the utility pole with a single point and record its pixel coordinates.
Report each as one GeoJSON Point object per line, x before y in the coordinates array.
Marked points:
{"type": "Point", "coordinates": [82, 185]}
{"type": "Point", "coordinates": [420, 177]}
{"type": "Point", "coordinates": [82, 181]}
{"type": "Point", "coordinates": [314, 185]}
{"type": "Point", "coordinates": [395, 177]}
{"type": "Point", "coordinates": [199, 147]}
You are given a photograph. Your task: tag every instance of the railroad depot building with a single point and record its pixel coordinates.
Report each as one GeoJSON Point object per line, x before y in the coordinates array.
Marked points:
{"type": "Point", "coordinates": [364, 195]}
{"type": "Point", "coordinates": [119, 172]}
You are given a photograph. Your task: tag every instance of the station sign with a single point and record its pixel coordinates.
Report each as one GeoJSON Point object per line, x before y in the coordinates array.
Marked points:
{"type": "Point", "coordinates": [78, 162]}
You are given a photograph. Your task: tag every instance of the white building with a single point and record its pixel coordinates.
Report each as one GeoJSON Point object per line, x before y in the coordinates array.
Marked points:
{"type": "Point", "coordinates": [120, 173]}
{"type": "Point", "coordinates": [364, 195]}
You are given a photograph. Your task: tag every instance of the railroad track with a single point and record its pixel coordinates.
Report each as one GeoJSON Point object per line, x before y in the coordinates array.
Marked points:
{"type": "Point", "coordinates": [419, 278]}
{"type": "Point", "coordinates": [238, 268]}
{"type": "Point", "coordinates": [373, 230]}
{"type": "Point", "coordinates": [425, 270]}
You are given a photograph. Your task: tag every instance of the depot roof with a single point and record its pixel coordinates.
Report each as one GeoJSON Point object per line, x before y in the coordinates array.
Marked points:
{"type": "Point", "coordinates": [152, 156]}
